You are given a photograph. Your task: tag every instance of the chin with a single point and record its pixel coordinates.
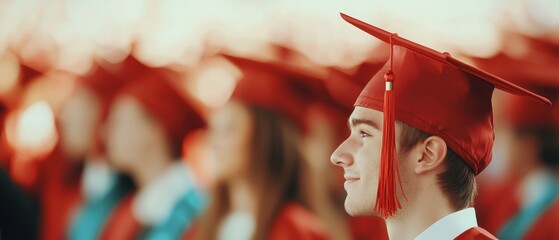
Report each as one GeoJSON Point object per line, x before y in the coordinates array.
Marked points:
{"type": "Point", "coordinates": [358, 209]}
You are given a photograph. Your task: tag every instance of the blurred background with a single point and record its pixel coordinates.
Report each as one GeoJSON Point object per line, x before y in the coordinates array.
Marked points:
{"type": "Point", "coordinates": [149, 119]}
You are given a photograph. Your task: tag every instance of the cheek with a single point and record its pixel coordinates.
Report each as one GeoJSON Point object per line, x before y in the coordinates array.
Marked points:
{"type": "Point", "coordinates": [368, 161]}
{"type": "Point", "coordinates": [361, 197]}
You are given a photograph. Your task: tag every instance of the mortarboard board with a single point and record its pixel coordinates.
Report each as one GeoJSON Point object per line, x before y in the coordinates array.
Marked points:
{"type": "Point", "coordinates": [435, 93]}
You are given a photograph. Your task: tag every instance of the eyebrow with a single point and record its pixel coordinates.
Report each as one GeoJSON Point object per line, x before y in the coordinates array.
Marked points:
{"type": "Point", "coordinates": [358, 121]}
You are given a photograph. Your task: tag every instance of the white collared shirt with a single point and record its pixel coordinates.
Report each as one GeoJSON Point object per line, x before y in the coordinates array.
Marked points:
{"type": "Point", "coordinates": [450, 226]}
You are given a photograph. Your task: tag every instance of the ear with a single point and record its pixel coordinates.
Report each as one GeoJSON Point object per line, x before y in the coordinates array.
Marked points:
{"type": "Point", "coordinates": [433, 152]}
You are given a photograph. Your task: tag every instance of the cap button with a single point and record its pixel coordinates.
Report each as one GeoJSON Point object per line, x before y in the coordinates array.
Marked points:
{"type": "Point", "coordinates": [389, 76]}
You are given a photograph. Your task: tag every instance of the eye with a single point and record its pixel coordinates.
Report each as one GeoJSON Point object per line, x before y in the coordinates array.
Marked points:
{"type": "Point", "coordinates": [364, 134]}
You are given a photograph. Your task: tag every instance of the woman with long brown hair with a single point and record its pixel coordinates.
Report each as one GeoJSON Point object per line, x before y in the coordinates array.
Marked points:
{"type": "Point", "coordinates": [255, 136]}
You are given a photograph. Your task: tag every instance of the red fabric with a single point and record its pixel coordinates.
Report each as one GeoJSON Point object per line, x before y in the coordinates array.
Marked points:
{"type": "Point", "coordinates": [475, 233]}
{"type": "Point", "coordinates": [545, 227]}
{"type": "Point", "coordinates": [295, 222]}
{"type": "Point", "coordinates": [190, 233]}
{"type": "Point", "coordinates": [122, 224]}
{"type": "Point", "coordinates": [536, 71]}
{"type": "Point", "coordinates": [491, 216]}
{"type": "Point", "coordinates": [368, 228]}
{"type": "Point", "coordinates": [177, 115]}
{"type": "Point", "coordinates": [284, 88]}
{"type": "Point", "coordinates": [526, 112]}
{"type": "Point", "coordinates": [439, 95]}
{"type": "Point", "coordinates": [345, 86]}
{"type": "Point", "coordinates": [59, 195]}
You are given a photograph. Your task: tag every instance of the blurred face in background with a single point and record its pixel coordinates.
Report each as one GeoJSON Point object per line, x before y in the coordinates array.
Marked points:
{"type": "Point", "coordinates": [523, 150]}
{"type": "Point", "coordinates": [79, 119]}
{"type": "Point", "coordinates": [131, 133]}
{"type": "Point", "coordinates": [230, 139]}
{"type": "Point", "coordinates": [320, 141]}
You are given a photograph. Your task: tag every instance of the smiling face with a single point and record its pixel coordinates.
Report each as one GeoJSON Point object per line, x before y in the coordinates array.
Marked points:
{"type": "Point", "coordinates": [359, 156]}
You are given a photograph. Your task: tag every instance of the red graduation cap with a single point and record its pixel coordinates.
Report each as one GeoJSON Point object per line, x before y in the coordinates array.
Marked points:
{"type": "Point", "coordinates": [435, 93]}
{"type": "Point", "coordinates": [106, 79]}
{"type": "Point", "coordinates": [279, 86]}
{"type": "Point", "coordinates": [164, 101]}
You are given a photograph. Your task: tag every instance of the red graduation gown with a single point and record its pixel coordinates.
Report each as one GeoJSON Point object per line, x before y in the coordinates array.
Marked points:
{"type": "Point", "coordinates": [122, 224]}
{"type": "Point", "coordinates": [496, 204]}
{"type": "Point", "coordinates": [295, 222]}
{"type": "Point", "coordinates": [546, 226]}
{"type": "Point", "coordinates": [59, 196]}
{"type": "Point", "coordinates": [475, 233]}
{"type": "Point", "coordinates": [493, 216]}
{"type": "Point", "coordinates": [368, 228]}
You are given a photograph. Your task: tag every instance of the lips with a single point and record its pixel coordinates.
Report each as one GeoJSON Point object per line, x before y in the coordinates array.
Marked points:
{"type": "Point", "coordinates": [351, 179]}
{"type": "Point", "coordinates": [351, 176]}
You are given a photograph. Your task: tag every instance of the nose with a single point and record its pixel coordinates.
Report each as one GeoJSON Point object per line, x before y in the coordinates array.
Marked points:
{"type": "Point", "coordinates": [341, 156]}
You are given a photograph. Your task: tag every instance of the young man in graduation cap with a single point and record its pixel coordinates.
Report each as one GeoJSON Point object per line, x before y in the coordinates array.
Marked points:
{"type": "Point", "coordinates": [421, 131]}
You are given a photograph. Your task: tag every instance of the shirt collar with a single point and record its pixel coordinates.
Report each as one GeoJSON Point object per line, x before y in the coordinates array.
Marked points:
{"type": "Point", "coordinates": [450, 226]}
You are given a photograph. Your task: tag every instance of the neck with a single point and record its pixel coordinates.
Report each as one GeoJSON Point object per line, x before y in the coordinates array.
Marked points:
{"type": "Point", "coordinates": [151, 167]}
{"type": "Point", "coordinates": [418, 214]}
{"type": "Point", "coordinates": [242, 196]}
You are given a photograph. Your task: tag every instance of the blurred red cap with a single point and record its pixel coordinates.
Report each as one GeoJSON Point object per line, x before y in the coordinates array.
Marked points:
{"type": "Point", "coordinates": [344, 86]}
{"type": "Point", "coordinates": [279, 86]}
{"type": "Point", "coordinates": [540, 76]}
{"type": "Point", "coordinates": [522, 112]}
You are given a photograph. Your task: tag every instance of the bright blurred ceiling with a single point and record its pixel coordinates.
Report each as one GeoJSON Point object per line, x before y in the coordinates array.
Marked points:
{"type": "Point", "coordinates": [68, 33]}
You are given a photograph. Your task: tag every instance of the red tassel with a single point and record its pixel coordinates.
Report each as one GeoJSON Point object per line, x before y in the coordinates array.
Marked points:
{"type": "Point", "coordinates": [387, 199]}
